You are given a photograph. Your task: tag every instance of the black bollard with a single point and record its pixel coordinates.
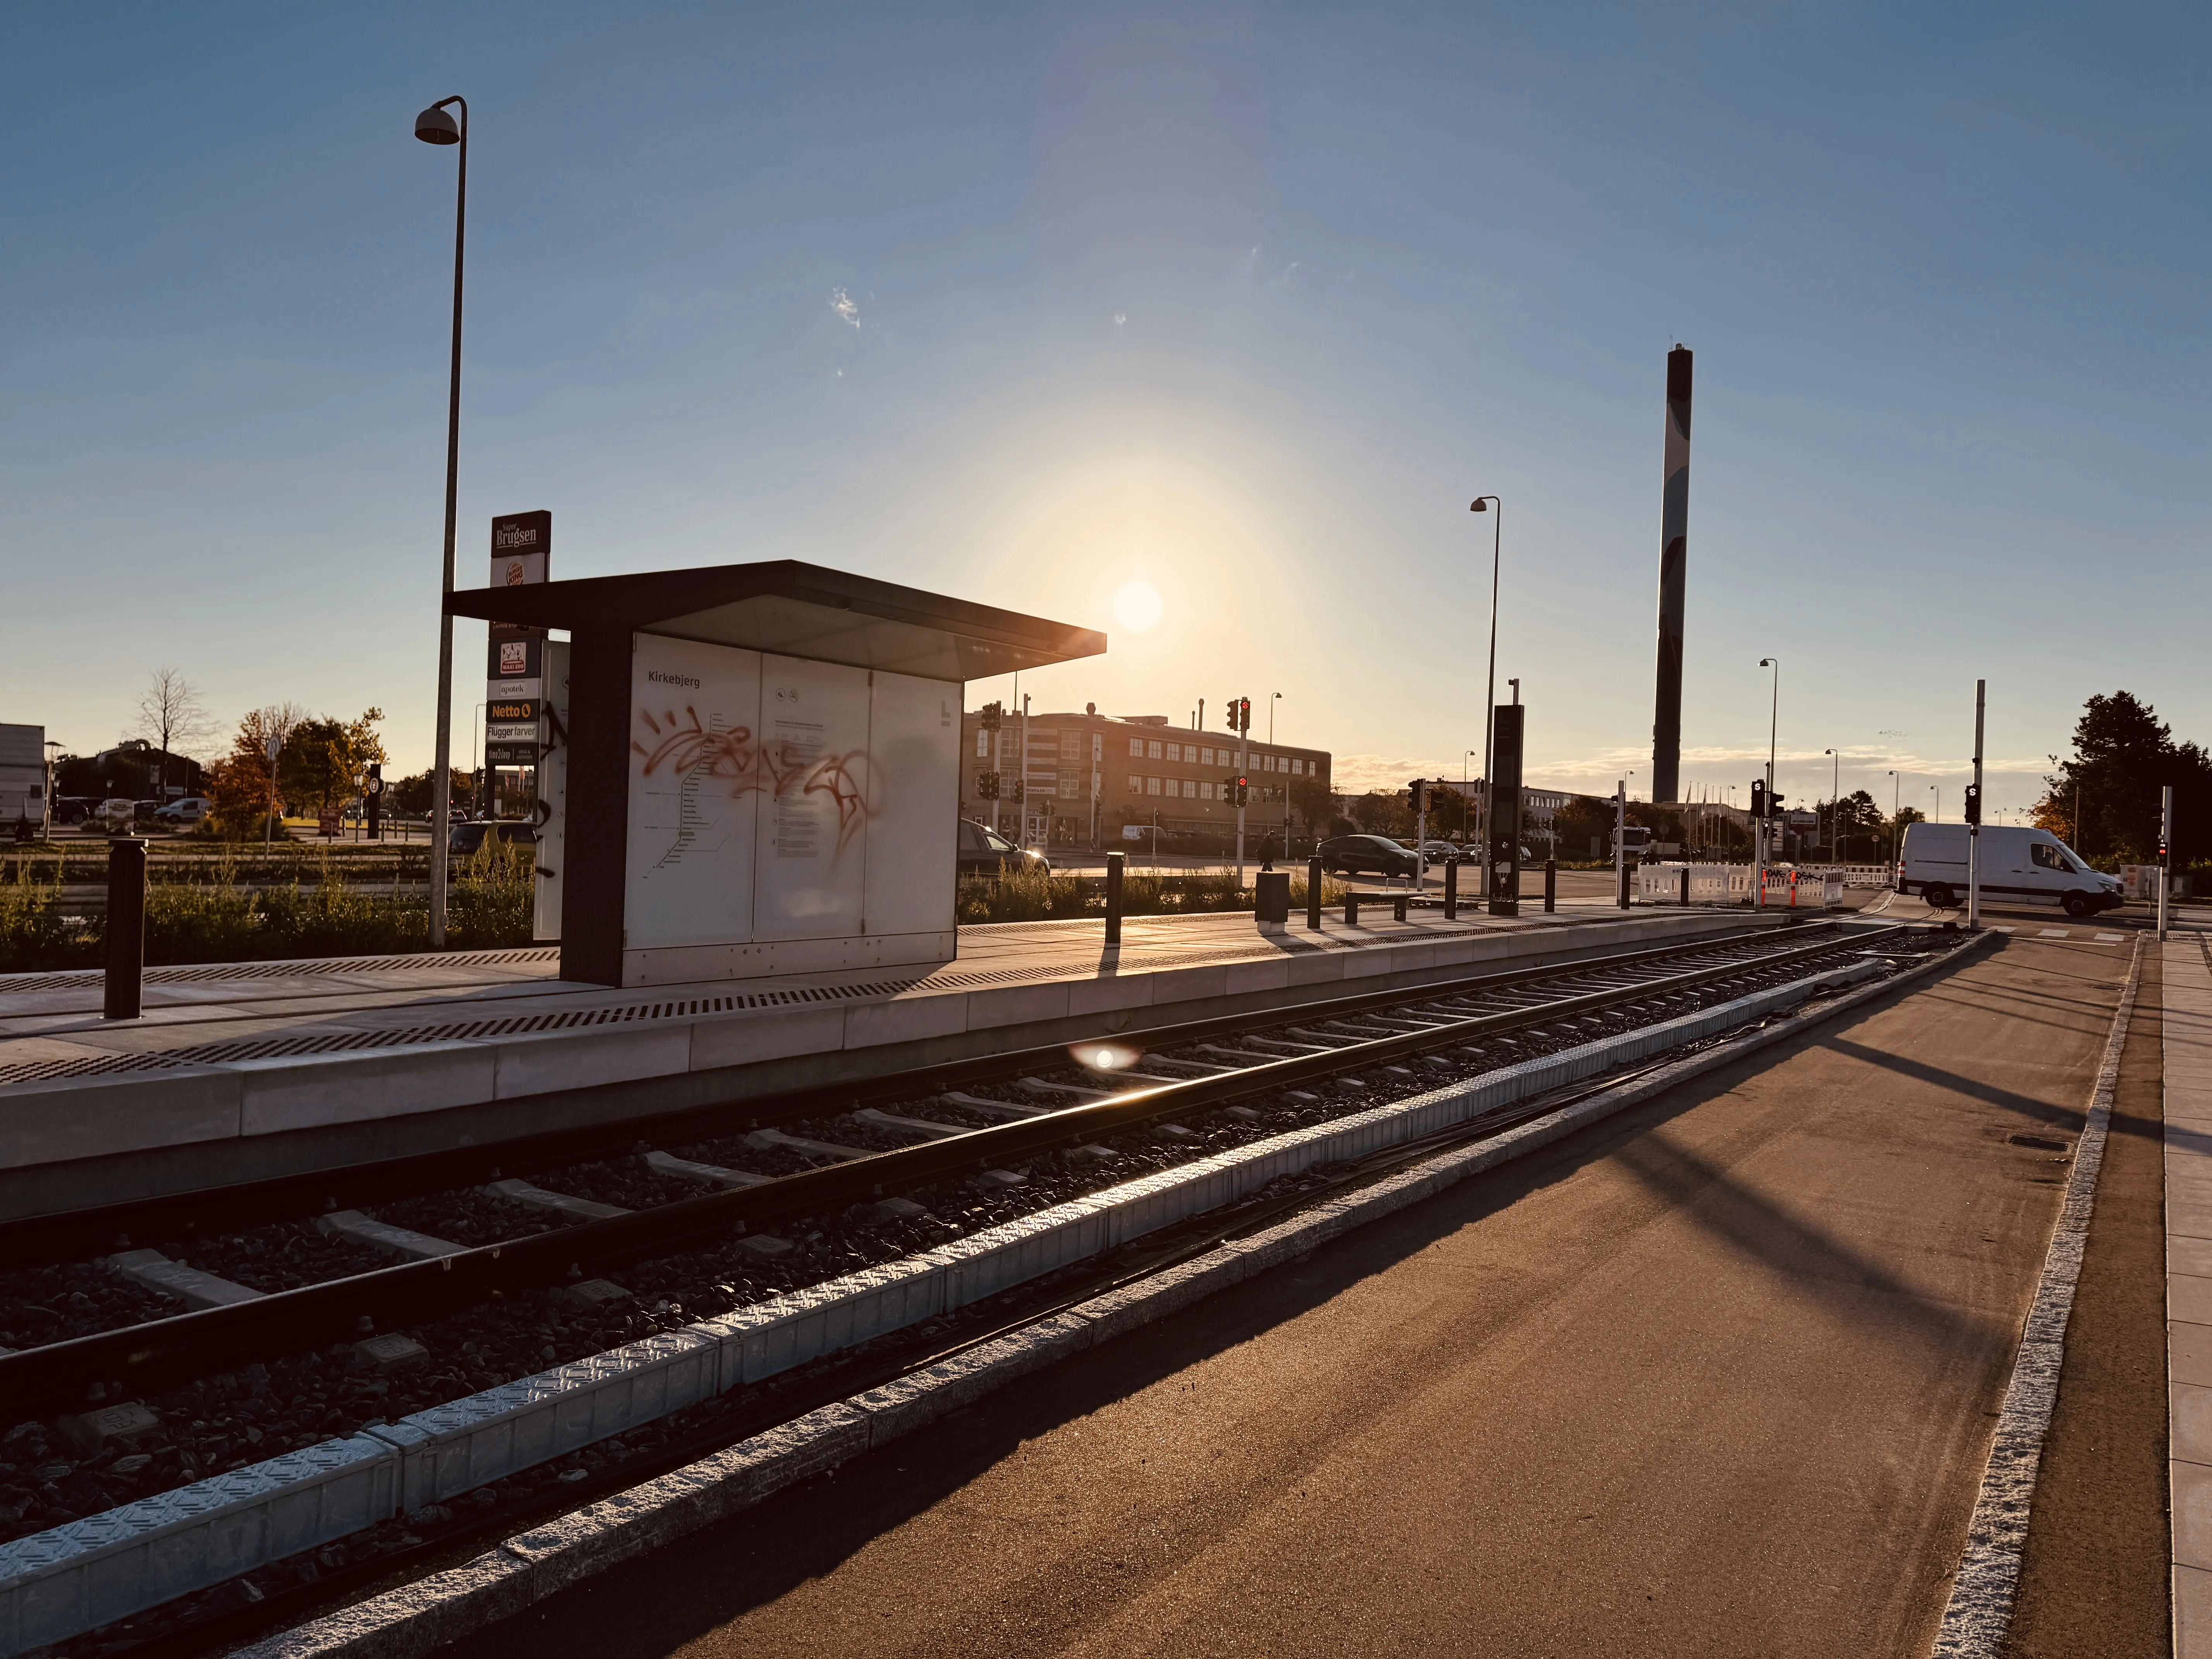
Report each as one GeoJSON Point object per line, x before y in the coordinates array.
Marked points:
{"type": "Point", "coordinates": [1352, 910]}
{"type": "Point", "coordinates": [126, 927]}
{"type": "Point", "coordinates": [1551, 885]}
{"type": "Point", "coordinates": [1451, 891]}
{"type": "Point", "coordinates": [1313, 894]}
{"type": "Point", "coordinates": [1686, 887]}
{"type": "Point", "coordinates": [1624, 869]}
{"type": "Point", "coordinates": [1114, 861]}
{"type": "Point", "coordinates": [1398, 907]}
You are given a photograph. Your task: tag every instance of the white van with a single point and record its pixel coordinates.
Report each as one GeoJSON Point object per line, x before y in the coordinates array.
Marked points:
{"type": "Point", "coordinates": [2018, 867]}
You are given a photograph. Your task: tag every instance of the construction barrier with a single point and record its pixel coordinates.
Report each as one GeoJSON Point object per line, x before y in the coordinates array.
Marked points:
{"type": "Point", "coordinates": [1788, 888]}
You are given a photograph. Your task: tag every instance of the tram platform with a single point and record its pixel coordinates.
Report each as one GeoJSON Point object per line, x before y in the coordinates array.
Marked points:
{"type": "Point", "coordinates": [243, 1072]}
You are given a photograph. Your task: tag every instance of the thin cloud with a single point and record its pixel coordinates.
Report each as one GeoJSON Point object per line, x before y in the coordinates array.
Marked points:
{"type": "Point", "coordinates": [841, 303]}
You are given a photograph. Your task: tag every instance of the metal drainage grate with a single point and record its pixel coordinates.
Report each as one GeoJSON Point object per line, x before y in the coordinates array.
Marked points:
{"type": "Point", "coordinates": [331, 1042]}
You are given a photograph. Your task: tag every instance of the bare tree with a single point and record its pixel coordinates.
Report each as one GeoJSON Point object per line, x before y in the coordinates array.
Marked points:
{"type": "Point", "coordinates": [171, 713]}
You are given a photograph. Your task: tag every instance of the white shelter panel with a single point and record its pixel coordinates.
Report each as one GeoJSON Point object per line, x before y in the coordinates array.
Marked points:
{"type": "Point", "coordinates": [911, 785]}
{"type": "Point", "coordinates": [696, 772]}
{"type": "Point", "coordinates": [813, 812]}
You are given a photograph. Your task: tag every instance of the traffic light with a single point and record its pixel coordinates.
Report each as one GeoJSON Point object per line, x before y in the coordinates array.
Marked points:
{"type": "Point", "coordinates": [1019, 791]}
{"type": "Point", "coordinates": [1973, 803]}
{"type": "Point", "coordinates": [994, 716]}
{"type": "Point", "coordinates": [1758, 799]}
{"type": "Point", "coordinates": [1774, 803]}
{"type": "Point", "coordinates": [1413, 793]}
{"type": "Point", "coordinates": [1240, 714]}
{"type": "Point", "coordinates": [1240, 791]}
{"type": "Point", "coordinates": [986, 786]}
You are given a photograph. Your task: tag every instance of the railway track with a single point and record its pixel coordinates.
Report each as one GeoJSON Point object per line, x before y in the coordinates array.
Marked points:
{"type": "Point", "coordinates": [786, 1193]}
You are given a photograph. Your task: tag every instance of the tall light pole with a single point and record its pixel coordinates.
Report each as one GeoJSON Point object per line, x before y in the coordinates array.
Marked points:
{"type": "Point", "coordinates": [1938, 788]}
{"type": "Point", "coordinates": [1464, 756]}
{"type": "Point", "coordinates": [1835, 798]}
{"type": "Point", "coordinates": [1493, 505]}
{"type": "Point", "coordinates": [1773, 724]}
{"type": "Point", "coordinates": [1896, 807]}
{"type": "Point", "coordinates": [435, 126]}
{"type": "Point", "coordinates": [1274, 697]}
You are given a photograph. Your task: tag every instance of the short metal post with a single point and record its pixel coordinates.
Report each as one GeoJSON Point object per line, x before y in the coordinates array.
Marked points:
{"type": "Point", "coordinates": [126, 927]}
{"type": "Point", "coordinates": [1398, 907]}
{"type": "Point", "coordinates": [1624, 884]}
{"type": "Point", "coordinates": [1551, 885]}
{"type": "Point", "coordinates": [1686, 887]}
{"type": "Point", "coordinates": [1451, 890]}
{"type": "Point", "coordinates": [1313, 894]}
{"type": "Point", "coordinates": [1114, 862]}
{"type": "Point", "coordinates": [1352, 910]}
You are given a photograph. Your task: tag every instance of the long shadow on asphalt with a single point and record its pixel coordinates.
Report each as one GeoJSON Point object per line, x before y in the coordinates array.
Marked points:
{"type": "Point", "coordinates": [807, 1532]}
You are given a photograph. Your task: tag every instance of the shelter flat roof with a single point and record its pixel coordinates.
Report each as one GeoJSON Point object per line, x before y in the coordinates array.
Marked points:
{"type": "Point", "coordinates": [797, 610]}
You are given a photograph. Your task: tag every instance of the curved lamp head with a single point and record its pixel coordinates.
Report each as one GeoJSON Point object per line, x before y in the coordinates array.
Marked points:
{"type": "Point", "coordinates": [435, 126]}
{"type": "Point", "coordinates": [1480, 504]}
{"type": "Point", "coordinates": [1766, 662]}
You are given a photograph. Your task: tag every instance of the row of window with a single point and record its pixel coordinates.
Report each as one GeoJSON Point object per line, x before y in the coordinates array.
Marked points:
{"type": "Point", "coordinates": [1194, 788]}
{"type": "Point", "coordinates": [1199, 754]}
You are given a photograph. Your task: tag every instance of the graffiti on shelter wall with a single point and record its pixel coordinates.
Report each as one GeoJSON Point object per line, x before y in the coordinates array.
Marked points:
{"type": "Point", "coordinates": [785, 770]}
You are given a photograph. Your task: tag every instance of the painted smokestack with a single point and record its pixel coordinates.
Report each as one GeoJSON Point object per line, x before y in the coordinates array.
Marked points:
{"type": "Point", "coordinates": [1674, 576]}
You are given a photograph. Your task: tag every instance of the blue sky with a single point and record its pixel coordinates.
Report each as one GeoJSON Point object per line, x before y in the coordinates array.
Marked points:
{"type": "Point", "coordinates": [1027, 304]}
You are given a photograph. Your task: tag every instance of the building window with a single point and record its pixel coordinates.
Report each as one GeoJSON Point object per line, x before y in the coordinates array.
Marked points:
{"type": "Point", "coordinates": [1152, 785]}
{"type": "Point", "coordinates": [1190, 789]}
{"type": "Point", "coordinates": [1298, 767]}
{"type": "Point", "coordinates": [1205, 757]}
{"type": "Point", "coordinates": [982, 744]}
{"type": "Point", "coordinates": [1137, 748]}
{"type": "Point", "coordinates": [1205, 791]}
{"type": "Point", "coordinates": [1152, 749]}
{"type": "Point", "coordinates": [1175, 751]}
{"type": "Point", "coordinates": [1136, 784]}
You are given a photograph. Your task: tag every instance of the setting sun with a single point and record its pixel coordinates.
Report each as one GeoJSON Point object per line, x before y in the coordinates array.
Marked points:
{"type": "Point", "coordinates": [1137, 607]}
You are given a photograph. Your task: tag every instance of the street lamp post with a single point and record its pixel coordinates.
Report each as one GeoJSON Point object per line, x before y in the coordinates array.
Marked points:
{"type": "Point", "coordinates": [1496, 507]}
{"type": "Point", "coordinates": [1938, 788]}
{"type": "Point", "coordinates": [435, 126]}
{"type": "Point", "coordinates": [1759, 830]}
{"type": "Point", "coordinates": [1896, 807]}
{"type": "Point", "coordinates": [1274, 697]}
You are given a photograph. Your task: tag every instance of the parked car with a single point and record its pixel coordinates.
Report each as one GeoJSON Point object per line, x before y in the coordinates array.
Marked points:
{"type": "Point", "coordinates": [985, 852]}
{"type": "Point", "coordinates": [464, 839]}
{"type": "Point", "coordinates": [1445, 852]}
{"type": "Point", "coordinates": [1349, 855]}
{"type": "Point", "coordinates": [191, 809]}
{"type": "Point", "coordinates": [2017, 866]}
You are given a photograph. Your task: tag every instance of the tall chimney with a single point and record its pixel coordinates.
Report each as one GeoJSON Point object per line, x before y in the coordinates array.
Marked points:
{"type": "Point", "coordinates": [1674, 558]}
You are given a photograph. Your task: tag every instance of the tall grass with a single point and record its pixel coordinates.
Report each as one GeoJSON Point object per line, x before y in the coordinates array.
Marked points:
{"type": "Point", "coordinates": [217, 918]}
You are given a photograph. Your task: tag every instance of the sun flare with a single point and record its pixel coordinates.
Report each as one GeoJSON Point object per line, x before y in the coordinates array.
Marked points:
{"type": "Point", "coordinates": [1137, 607]}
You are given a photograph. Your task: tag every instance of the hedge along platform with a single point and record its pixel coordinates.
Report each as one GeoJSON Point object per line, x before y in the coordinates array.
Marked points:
{"type": "Point", "coordinates": [248, 1072]}
{"type": "Point", "coordinates": [761, 769]}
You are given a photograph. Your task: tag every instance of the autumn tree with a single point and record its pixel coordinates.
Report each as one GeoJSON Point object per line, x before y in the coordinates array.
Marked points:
{"type": "Point", "coordinates": [326, 760]}
{"type": "Point", "coordinates": [239, 787]}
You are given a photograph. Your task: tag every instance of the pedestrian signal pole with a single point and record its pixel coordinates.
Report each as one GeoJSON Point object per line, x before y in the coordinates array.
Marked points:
{"type": "Point", "coordinates": [2165, 855]}
{"type": "Point", "coordinates": [1974, 822]}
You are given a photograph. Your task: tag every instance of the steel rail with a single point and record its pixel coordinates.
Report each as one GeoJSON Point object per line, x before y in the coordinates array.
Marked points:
{"type": "Point", "coordinates": [162, 1353]}
{"type": "Point", "coordinates": [72, 1235]}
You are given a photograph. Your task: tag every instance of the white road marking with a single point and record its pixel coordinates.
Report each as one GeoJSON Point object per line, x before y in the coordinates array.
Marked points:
{"type": "Point", "coordinates": [2052, 932]}
{"type": "Point", "coordinates": [2110, 939]}
{"type": "Point", "coordinates": [2002, 927]}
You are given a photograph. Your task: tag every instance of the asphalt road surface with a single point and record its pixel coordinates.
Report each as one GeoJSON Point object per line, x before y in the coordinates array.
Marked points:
{"type": "Point", "coordinates": [1716, 1377]}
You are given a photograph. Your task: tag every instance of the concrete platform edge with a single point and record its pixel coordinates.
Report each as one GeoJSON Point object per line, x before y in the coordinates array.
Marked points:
{"type": "Point", "coordinates": [418, 1618]}
{"type": "Point", "coordinates": [1979, 1611]}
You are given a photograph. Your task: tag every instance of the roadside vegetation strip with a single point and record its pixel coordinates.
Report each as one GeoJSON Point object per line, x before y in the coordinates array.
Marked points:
{"type": "Point", "coordinates": [525, 1568]}
{"type": "Point", "coordinates": [92, 1572]}
{"type": "Point", "coordinates": [1979, 1612]}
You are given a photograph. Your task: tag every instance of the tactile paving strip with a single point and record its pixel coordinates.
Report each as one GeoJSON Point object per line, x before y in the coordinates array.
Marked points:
{"type": "Point", "coordinates": [80, 978]}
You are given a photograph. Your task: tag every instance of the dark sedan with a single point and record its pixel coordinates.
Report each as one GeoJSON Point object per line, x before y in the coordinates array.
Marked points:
{"type": "Point", "coordinates": [1350, 855]}
{"type": "Point", "coordinates": [464, 839]}
{"type": "Point", "coordinates": [985, 852]}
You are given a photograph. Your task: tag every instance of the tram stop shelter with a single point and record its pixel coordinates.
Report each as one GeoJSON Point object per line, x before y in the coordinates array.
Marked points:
{"type": "Point", "coordinates": [759, 764]}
